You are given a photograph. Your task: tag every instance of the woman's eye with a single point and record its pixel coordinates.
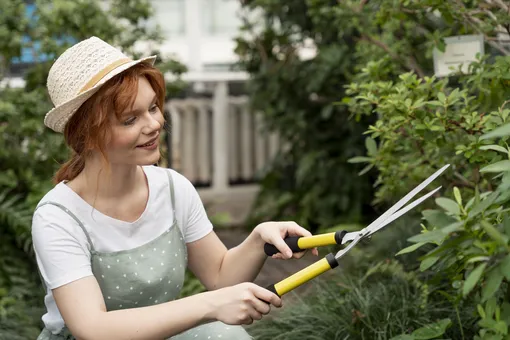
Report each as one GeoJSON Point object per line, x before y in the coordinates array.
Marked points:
{"type": "Point", "coordinates": [154, 108]}
{"type": "Point", "coordinates": [129, 121]}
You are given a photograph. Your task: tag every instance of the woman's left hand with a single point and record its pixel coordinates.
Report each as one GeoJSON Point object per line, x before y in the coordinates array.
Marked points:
{"type": "Point", "coordinates": [275, 232]}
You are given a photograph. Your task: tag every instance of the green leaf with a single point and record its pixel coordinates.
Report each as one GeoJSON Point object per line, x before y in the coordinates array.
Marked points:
{"type": "Point", "coordinates": [458, 197]}
{"type": "Point", "coordinates": [457, 226]}
{"type": "Point", "coordinates": [483, 205]}
{"type": "Point", "coordinates": [428, 262]}
{"type": "Point", "coordinates": [437, 218]}
{"type": "Point", "coordinates": [441, 97]}
{"type": "Point", "coordinates": [505, 312]}
{"type": "Point", "coordinates": [504, 267]}
{"type": "Point", "coordinates": [478, 259]}
{"type": "Point", "coordinates": [494, 279]}
{"type": "Point", "coordinates": [506, 225]}
{"type": "Point", "coordinates": [371, 146]}
{"type": "Point", "coordinates": [501, 131]}
{"type": "Point", "coordinates": [432, 330]}
{"type": "Point", "coordinates": [359, 159]}
{"type": "Point", "coordinates": [365, 169]}
{"type": "Point", "coordinates": [500, 166]}
{"type": "Point", "coordinates": [403, 337]}
{"type": "Point", "coordinates": [436, 236]}
{"type": "Point", "coordinates": [435, 103]}
{"type": "Point", "coordinates": [410, 249]}
{"type": "Point", "coordinates": [490, 307]}
{"type": "Point", "coordinates": [481, 311]}
{"type": "Point", "coordinates": [449, 205]}
{"type": "Point", "coordinates": [501, 327]}
{"type": "Point", "coordinates": [473, 278]}
{"type": "Point", "coordinates": [495, 148]}
{"type": "Point", "coordinates": [493, 233]}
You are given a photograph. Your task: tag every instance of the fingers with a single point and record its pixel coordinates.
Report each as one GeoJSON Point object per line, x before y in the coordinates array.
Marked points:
{"type": "Point", "coordinates": [284, 249]}
{"type": "Point", "coordinates": [261, 307]}
{"type": "Point", "coordinates": [299, 255]}
{"type": "Point", "coordinates": [294, 229]}
{"type": "Point", "coordinates": [258, 303]}
{"type": "Point", "coordinates": [302, 253]}
{"type": "Point", "coordinates": [266, 295]}
{"type": "Point", "coordinates": [287, 228]}
{"type": "Point", "coordinates": [254, 315]}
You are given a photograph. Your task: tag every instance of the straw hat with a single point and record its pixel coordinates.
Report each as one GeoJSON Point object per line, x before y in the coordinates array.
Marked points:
{"type": "Point", "coordinates": [79, 73]}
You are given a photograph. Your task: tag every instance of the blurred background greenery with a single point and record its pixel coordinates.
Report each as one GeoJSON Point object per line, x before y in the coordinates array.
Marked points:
{"type": "Point", "coordinates": [365, 121]}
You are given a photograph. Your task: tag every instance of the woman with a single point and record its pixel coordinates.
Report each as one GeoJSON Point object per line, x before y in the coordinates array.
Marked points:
{"type": "Point", "coordinates": [114, 236]}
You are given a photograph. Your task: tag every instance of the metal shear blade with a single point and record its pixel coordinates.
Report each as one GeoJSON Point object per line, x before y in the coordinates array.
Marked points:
{"type": "Point", "coordinates": [391, 214]}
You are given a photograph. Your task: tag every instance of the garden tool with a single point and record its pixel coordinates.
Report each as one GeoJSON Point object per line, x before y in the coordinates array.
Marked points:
{"type": "Point", "coordinates": [330, 261]}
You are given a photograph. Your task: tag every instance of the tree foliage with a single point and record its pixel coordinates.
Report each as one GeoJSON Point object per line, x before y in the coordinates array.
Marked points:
{"type": "Point", "coordinates": [29, 152]}
{"type": "Point", "coordinates": [419, 123]}
{"type": "Point", "coordinates": [310, 180]}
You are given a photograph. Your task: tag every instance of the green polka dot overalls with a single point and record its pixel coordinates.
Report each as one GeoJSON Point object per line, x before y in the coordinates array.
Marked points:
{"type": "Point", "coordinates": [147, 275]}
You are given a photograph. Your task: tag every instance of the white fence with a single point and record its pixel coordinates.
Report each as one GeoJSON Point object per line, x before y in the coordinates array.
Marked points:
{"type": "Point", "coordinates": [218, 143]}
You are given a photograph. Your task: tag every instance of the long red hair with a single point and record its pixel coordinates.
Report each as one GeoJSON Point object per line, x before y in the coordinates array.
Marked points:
{"type": "Point", "coordinates": [89, 128]}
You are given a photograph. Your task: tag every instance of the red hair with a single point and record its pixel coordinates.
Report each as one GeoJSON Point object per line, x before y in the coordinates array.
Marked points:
{"type": "Point", "coordinates": [89, 127]}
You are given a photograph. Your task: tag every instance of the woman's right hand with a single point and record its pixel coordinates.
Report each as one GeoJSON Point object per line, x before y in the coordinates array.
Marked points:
{"type": "Point", "coordinates": [241, 304]}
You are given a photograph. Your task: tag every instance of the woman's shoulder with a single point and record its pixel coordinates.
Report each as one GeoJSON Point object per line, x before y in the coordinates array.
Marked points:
{"type": "Point", "coordinates": [56, 206]}
{"type": "Point", "coordinates": [54, 195]}
{"type": "Point", "coordinates": [53, 219]}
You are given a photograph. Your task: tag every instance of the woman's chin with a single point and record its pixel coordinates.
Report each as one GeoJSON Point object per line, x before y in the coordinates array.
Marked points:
{"type": "Point", "coordinates": [152, 159]}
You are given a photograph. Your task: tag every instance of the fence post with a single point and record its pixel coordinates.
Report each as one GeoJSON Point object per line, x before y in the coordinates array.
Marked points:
{"type": "Point", "coordinates": [220, 137]}
{"type": "Point", "coordinates": [204, 144]}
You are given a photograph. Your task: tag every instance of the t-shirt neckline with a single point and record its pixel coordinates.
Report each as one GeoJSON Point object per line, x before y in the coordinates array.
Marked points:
{"type": "Point", "coordinates": [99, 217]}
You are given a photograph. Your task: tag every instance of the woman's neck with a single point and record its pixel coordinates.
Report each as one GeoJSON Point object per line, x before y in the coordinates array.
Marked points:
{"type": "Point", "coordinates": [99, 181]}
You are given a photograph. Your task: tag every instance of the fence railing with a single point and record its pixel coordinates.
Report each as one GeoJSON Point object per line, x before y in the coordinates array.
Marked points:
{"type": "Point", "coordinates": [218, 143]}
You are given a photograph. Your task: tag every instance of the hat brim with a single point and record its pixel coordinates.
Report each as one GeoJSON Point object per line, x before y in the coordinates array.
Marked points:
{"type": "Point", "coordinates": [57, 118]}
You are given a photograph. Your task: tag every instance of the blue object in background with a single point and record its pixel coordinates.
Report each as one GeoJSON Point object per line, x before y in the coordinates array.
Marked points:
{"type": "Point", "coordinates": [29, 55]}
{"type": "Point", "coordinates": [31, 52]}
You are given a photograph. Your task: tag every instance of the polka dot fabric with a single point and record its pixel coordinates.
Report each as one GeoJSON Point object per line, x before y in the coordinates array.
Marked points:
{"type": "Point", "coordinates": [144, 276]}
{"type": "Point", "coordinates": [148, 275]}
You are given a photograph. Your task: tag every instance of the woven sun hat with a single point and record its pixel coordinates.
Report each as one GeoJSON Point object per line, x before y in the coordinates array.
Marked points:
{"type": "Point", "coordinates": [79, 73]}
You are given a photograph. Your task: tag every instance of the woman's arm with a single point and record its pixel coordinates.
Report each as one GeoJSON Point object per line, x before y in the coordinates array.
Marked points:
{"type": "Point", "coordinates": [82, 307]}
{"type": "Point", "coordinates": [217, 267]}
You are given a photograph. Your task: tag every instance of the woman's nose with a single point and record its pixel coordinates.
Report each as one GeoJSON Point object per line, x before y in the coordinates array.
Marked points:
{"type": "Point", "coordinates": [153, 123]}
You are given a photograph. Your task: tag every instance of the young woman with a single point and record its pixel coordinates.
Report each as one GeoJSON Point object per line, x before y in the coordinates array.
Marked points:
{"type": "Point", "coordinates": [114, 236]}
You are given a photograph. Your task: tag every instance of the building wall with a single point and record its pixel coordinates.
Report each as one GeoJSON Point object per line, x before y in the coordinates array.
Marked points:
{"type": "Point", "coordinates": [199, 33]}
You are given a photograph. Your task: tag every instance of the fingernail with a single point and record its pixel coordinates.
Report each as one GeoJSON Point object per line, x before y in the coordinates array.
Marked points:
{"type": "Point", "coordinates": [289, 254]}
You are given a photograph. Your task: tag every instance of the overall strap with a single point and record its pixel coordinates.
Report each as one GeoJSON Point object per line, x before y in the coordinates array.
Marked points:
{"type": "Point", "coordinates": [73, 216]}
{"type": "Point", "coordinates": [172, 194]}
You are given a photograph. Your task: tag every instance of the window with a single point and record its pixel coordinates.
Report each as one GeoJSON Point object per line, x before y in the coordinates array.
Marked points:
{"type": "Point", "coordinates": [220, 16]}
{"type": "Point", "coordinates": [31, 51]}
{"type": "Point", "coordinates": [171, 16]}
{"type": "Point", "coordinates": [28, 55]}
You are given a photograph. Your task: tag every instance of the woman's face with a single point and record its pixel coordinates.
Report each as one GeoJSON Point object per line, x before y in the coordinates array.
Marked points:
{"type": "Point", "coordinates": [135, 136]}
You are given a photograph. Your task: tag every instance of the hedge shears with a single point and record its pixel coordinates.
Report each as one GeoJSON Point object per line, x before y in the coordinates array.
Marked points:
{"type": "Point", "coordinates": [330, 261]}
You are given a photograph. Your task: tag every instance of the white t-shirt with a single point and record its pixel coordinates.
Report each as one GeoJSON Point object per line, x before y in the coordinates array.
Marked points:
{"type": "Point", "coordinates": [61, 247]}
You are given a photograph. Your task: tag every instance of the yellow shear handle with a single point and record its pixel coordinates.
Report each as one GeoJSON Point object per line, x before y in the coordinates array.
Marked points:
{"type": "Point", "coordinates": [308, 242]}
{"type": "Point", "coordinates": [300, 243]}
{"type": "Point", "coordinates": [304, 275]}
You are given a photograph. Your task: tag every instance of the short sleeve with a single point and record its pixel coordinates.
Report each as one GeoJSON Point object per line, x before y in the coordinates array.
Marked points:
{"type": "Point", "coordinates": [190, 210]}
{"type": "Point", "coordinates": [60, 245]}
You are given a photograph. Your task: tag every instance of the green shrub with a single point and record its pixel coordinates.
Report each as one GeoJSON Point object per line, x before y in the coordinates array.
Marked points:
{"type": "Point", "coordinates": [420, 123]}
{"type": "Point", "coordinates": [21, 295]}
{"type": "Point", "coordinates": [380, 303]}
